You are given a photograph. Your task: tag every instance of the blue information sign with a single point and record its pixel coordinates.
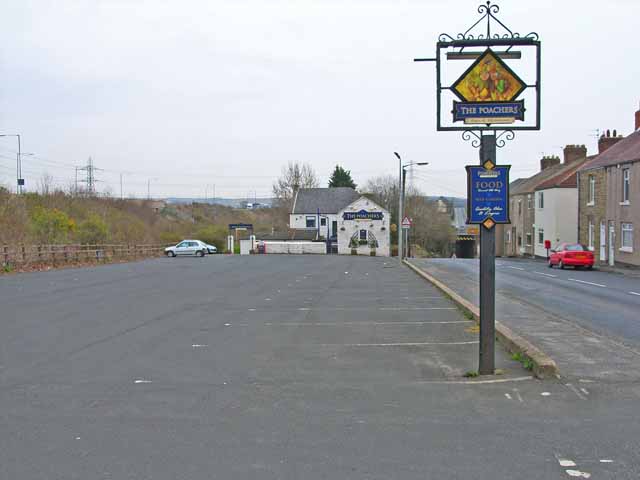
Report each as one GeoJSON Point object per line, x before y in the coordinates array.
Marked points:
{"type": "Point", "coordinates": [488, 194]}
{"type": "Point", "coordinates": [488, 112]}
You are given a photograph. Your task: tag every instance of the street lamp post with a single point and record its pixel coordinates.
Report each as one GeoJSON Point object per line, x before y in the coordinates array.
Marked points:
{"type": "Point", "coordinates": [401, 188]}
{"type": "Point", "coordinates": [19, 180]}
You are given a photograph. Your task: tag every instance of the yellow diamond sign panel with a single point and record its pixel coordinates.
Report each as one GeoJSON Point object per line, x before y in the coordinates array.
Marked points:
{"type": "Point", "coordinates": [488, 79]}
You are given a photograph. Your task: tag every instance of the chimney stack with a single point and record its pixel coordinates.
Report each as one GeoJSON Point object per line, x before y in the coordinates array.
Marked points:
{"type": "Point", "coordinates": [549, 161]}
{"type": "Point", "coordinates": [607, 140]}
{"type": "Point", "coordinates": [573, 153]}
{"type": "Point", "coordinates": [638, 119]}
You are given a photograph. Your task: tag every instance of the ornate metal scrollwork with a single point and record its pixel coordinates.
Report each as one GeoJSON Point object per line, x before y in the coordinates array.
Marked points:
{"type": "Point", "coordinates": [474, 137]}
{"type": "Point", "coordinates": [503, 137]}
{"type": "Point", "coordinates": [488, 12]}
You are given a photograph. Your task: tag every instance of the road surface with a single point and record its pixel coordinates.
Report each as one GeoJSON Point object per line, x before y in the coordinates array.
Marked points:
{"type": "Point", "coordinates": [283, 367]}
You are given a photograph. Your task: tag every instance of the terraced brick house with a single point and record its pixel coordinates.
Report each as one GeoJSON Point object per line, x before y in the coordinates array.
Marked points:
{"type": "Point", "coordinates": [609, 200]}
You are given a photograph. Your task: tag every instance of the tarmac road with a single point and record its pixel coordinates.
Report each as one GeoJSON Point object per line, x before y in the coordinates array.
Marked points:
{"type": "Point", "coordinates": [279, 367]}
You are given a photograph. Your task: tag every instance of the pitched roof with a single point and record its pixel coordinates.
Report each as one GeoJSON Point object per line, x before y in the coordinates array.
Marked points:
{"type": "Point", "coordinates": [528, 185]}
{"type": "Point", "coordinates": [566, 178]}
{"type": "Point", "coordinates": [624, 151]}
{"type": "Point", "coordinates": [326, 200]}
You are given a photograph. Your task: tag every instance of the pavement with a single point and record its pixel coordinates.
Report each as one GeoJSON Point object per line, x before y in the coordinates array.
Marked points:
{"type": "Point", "coordinates": [587, 321]}
{"type": "Point", "coordinates": [280, 367]}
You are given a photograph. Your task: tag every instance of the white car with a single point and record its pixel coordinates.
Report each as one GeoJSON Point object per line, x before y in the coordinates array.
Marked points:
{"type": "Point", "coordinates": [211, 248]}
{"type": "Point", "coordinates": [187, 247]}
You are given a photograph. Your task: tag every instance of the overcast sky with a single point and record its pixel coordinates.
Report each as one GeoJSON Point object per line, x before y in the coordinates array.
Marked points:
{"type": "Point", "coordinates": [194, 93]}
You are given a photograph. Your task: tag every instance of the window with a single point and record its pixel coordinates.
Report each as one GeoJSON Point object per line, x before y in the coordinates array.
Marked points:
{"type": "Point", "coordinates": [519, 240]}
{"type": "Point", "coordinates": [363, 234]}
{"type": "Point", "coordinates": [625, 185]}
{"type": "Point", "coordinates": [592, 190]}
{"type": "Point", "coordinates": [519, 207]}
{"type": "Point", "coordinates": [529, 202]}
{"type": "Point", "coordinates": [311, 222]}
{"type": "Point", "coordinates": [541, 236]}
{"type": "Point", "coordinates": [508, 236]}
{"type": "Point", "coordinates": [540, 199]}
{"type": "Point", "coordinates": [627, 237]}
{"type": "Point", "coordinates": [323, 222]}
{"type": "Point", "coordinates": [574, 248]}
{"type": "Point", "coordinates": [528, 239]}
{"type": "Point", "coordinates": [591, 234]}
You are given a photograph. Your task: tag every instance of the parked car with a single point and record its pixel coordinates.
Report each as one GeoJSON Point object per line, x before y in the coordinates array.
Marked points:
{"type": "Point", "coordinates": [571, 255]}
{"type": "Point", "coordinates": [211, 249]}
{"type": "Point", "coordinates": [187, 247]}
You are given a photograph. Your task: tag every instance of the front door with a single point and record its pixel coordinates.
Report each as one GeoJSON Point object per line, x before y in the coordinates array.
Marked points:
{"type": "Point", "coordinates": [334, 229]}
{"type": "Point", "coordinates": [603, 242]}
{"type": "Point", "coordinates": [612, 243]}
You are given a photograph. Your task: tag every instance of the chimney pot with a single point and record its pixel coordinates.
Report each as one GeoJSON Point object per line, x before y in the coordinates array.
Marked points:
{"type": "Point", "coordinates": [573, 153]}
{"type": "Point", "coordinates": [549, 161]}
{"type": "Point", "coordinates": [606, 142]}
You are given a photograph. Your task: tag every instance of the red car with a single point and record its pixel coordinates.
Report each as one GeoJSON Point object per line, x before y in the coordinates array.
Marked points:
{"type": "Point", "coordinates": [571, 255]}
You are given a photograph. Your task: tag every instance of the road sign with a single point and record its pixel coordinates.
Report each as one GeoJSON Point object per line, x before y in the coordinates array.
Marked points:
{"type": "Point", "coordinates": [488, 194]}
{"type": "Point", "coordinates": [407, 222]}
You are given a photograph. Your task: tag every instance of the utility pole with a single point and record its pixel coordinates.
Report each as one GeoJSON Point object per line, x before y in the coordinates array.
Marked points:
{"type": "Point", "coordinates": [149, 189]}
{"type": "Point", "coordinates": [19, 179]}
{"type": "Point", "coordinates": [400, 211]}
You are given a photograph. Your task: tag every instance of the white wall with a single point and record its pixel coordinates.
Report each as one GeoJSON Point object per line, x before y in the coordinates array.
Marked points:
{"type": "Point", "coordinates": [300, 222]}
{"type": "Point", "coordinates": [295, 247]}
{"type": "Point", "coordinates": [558, 218]}
{"type": "Point", "coordinates": [379, 228]}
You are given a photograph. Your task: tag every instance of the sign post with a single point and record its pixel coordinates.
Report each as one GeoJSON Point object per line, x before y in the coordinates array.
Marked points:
{"type": "Point", "coordinates": [488, 104]}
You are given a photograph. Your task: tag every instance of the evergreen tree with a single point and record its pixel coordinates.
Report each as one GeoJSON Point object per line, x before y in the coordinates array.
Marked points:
{"type": "Point", "coordinates": [341, 178]}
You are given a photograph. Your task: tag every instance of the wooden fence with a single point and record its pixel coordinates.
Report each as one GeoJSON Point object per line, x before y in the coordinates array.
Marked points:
{"type": "Point", "coordinates": [19, 255]}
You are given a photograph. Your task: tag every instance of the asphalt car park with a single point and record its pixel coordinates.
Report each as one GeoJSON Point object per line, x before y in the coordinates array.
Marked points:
{"type": "Point", "coordinates": [278, 367]}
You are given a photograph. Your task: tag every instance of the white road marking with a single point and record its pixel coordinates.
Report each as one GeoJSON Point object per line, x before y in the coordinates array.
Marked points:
{"type": "Point", "coordinates": [634, 293]}
{"type": "Point", "coordinates": [587, 283]}
{"type": "Point", "coordinates": [267, 299]}
{"type": "Point", "coordinates": [566, 463]}
{"type": "Point", "coordinates": [578, 473]}
{"type": "Point", "coordinates": [585, 391]}
{"type": "Point", "coordinates": [518, 395]}
{"type": "Point", "coordinates": [545, 394]}
{"type": "Point", "coordinates": [227, 324]}
{"type": "Point", "coordinates": [516, 268]}
{"type": "Point", "coordinates": [508, 396]}
{"type": "Point", "coordinates": [140, 380]}
{"type": "Point", "coordinates": [408, 344]}
{"type": "Point", "coordinates": [78, 438]}
{"type": "Point", "coordinates": [580, 395]}
{"type": "Point", "coordinates": [546, 274]}
{"type": "Point", "coordinates": [606, 460]}
{"type": "Point", "coordinates": [199, 345]}
{"type": "Point", "coordinates": [304, 309]}
{"type": "Point", "coordinates": [252, 309]}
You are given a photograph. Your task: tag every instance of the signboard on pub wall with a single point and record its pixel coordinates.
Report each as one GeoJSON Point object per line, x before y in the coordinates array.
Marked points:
{"type": "Point", "coordinates": [488, 194]}
{"type": "Point", "coordinates": [362, 215]}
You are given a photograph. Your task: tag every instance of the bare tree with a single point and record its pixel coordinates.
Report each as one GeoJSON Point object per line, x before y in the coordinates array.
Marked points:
{"type": "Point", "coordinates": [294, 176]}
{"type": "Point", "coordinates": [45, 184]}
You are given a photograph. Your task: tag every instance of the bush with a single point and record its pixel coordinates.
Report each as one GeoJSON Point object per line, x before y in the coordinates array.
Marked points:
{"type": "Point", "coordinates": [51, 225]}
{"type": "Point", "coordinates": [93, 230]}
{"type": "Point", "coordinates": [213, 235]}
{"type": "Point", "coordinates": [170, 237]}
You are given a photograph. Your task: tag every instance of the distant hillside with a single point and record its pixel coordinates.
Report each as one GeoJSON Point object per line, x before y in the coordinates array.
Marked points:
{"type": "Point", "coordinates": [227, 202]}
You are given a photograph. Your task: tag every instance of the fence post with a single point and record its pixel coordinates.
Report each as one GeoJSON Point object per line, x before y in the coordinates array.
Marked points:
{"type": "Point", "coordinates": [24, 254]}
{"type": "Point", "coordinates": [65, 254]}
{"type": "Point", "coordinates": [6, 255]}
